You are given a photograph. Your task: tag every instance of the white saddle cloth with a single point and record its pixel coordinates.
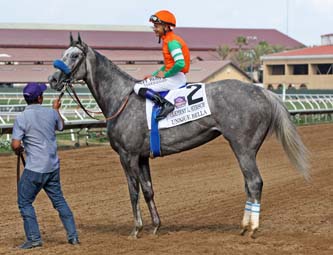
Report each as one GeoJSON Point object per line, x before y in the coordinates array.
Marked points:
{"type": "Point", "coordinates": [190, 104]}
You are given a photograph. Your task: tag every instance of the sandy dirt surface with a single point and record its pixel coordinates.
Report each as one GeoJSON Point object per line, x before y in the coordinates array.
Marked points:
{"type": "Point", "coordinates": [200, 197]}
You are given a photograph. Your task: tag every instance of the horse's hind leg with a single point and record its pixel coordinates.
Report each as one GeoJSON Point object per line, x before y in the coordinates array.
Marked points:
{"type": "Point", "coordinates": [253, 187]}
{"type": "Point", "coordinates": [148, 192]}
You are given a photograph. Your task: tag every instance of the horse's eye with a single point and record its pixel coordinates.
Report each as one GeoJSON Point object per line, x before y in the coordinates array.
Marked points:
{"type": "Point", "coordinates": [74, 55]}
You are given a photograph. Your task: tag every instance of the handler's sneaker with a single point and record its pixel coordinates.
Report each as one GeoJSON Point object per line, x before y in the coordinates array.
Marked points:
{"type": "Point", "coordinates": [74, 241]}
{"type": "Point", "coordinates": [30, 245]}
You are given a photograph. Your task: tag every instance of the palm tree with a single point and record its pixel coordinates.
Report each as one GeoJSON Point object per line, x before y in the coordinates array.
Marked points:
{"type": "Point", "coordinates": [223, 51]}
{"type": "Point", "coordinates": [240, 41]}
{"type": "Point", "coordinates": [247, 59]}
{"type": "Point", "coordinates": [264, 48]}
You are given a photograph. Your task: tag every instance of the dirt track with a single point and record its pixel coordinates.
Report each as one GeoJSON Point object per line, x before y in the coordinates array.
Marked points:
{"type": "Point", "coordinates": [200, 198]}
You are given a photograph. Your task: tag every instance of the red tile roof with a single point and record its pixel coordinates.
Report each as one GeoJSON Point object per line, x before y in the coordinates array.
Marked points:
{"type": "Point", "coordinates": [196, 38]}
{"type": "Point", "coordinates": [210, 38]}
{"type": "Point", "coordinates": [311, 51]}
{"type": "Point", "coordinates": [200, 70]}
{"type": "Point", "coordinates": [24, 72]}
{"type": "Point", "coordinates": [32, 45]}
{"type": "Point", "coordinates": [31, 55]}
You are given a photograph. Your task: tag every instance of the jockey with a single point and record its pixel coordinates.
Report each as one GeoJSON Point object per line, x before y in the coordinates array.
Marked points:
{"type": "Point", "coordinates": [176, 64]}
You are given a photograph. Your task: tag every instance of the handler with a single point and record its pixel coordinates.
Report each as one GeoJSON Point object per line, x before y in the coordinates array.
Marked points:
{"type": "Point", "coordinates": [176, 64]}
{"type": "Point", "coordinates": [35, 127]}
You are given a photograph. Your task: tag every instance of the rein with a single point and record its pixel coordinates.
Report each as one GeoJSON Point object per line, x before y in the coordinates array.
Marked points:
{"type": "Point", "coordinates": [76, 99]}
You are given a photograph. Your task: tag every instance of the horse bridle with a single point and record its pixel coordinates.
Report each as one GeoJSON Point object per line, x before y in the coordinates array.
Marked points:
{"type": "Point", "coordinates": [84, 51]}
{"type": "Point", "coordinates": [68, 86]}
{"type": "Point", "coordinates": [69, 80]}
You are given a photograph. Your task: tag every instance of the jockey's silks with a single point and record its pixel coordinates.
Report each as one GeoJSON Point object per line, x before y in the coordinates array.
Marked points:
{"type": "Point", "coordinates": [169, 61]}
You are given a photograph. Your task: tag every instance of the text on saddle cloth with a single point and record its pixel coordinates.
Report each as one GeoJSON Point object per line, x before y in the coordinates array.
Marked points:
{"type": "Point", "coordinates": [190, 104]}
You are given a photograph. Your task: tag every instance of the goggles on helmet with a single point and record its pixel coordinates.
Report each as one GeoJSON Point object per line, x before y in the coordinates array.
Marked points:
{"type": "Point", "coordinates": [155, 19]}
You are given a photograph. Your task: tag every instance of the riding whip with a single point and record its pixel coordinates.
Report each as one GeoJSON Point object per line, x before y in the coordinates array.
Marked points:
{"type": "Point", "coordinates": [62, 92]}
{"type": "Point", "coordinates": [19, 158]}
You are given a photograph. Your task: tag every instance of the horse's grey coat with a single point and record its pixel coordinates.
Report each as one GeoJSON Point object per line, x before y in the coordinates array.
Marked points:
{"type": "Point", "coordinates": [243, 113]}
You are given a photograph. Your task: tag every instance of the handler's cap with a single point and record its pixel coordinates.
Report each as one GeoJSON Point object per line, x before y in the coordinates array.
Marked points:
{"type": "Point", "coordinates": [32, 90]}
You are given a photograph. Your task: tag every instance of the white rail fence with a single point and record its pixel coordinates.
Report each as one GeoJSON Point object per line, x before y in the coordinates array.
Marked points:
{"type": "Point", "coordinates": [309, 108]}
{"type": "Point", "coordinates": [76, 120]}
{"type": "Point", "coordinates": [309, 103]}
{"type": "Point", "coordinates": [302, 107]}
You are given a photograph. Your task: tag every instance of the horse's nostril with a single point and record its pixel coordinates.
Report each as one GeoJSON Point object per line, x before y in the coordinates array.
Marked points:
{"type": "Point", "coordinates": [51, 78]}
{"type": "Point", "coordinates": [52, 81]}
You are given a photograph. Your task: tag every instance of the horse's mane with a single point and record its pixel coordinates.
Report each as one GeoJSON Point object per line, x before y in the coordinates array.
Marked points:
{"type": "Point", "coordinates": [102, 58]}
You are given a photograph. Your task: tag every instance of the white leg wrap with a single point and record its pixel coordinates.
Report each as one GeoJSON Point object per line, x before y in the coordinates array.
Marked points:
{"type": "Point", "coordinates": [251, 215]}
{"type": "Point", "coordinates": [247, 214]}
{"type": "Point", "coordinates": [255, 213]}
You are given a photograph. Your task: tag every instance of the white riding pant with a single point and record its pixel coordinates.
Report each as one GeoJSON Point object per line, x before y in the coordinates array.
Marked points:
{"type": "Point", "coordinates": [162, 84]}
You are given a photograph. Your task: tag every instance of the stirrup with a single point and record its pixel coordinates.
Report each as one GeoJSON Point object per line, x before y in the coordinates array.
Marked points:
{"type": "Point", "coordinates": [165, 110]}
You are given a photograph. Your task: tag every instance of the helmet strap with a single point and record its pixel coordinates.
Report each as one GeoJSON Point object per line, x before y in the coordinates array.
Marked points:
{"type": "Point", "coordinates": [165, 30]}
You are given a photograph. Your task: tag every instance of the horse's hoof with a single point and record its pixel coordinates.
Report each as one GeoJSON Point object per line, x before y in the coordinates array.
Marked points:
{"type": "Point", "coordinates": [155, 230]}
{"type": "Point", "coordinates": [134, 234]}
{"type": "Point", "coordinates": [243, 231]}
{"type": "Point", "coordinates": [131, 237]}
{"type": "Point", "coordinates": [252, 233]}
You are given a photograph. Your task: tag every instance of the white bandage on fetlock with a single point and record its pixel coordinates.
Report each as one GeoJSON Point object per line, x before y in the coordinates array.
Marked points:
{"type": "Point", "coordinates": [255, 213]}
{"type": "Point", "coordinates": [251, 215]}
{"type": "Point", "coordinates": [247, 214]}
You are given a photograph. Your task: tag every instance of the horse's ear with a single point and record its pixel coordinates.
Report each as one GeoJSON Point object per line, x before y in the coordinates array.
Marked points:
{"type": "Point", "coordinates": [71, 39]}
{"type": "Point", "coordinates": [79, 38]}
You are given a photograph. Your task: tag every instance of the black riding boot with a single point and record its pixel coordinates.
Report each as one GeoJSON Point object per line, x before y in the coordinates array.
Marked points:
{"type": "Point", "coordinates": [165, 106]}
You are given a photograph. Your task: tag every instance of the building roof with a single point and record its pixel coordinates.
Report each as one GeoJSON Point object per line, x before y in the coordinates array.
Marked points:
{"type": "Point", "coordinates": [25, 73]}
{"type": "Point", "coordinates": [200, 70]}
{"type": "Point", "coordinates": [45, 55]}
{"type": "Point", "coordinates": [208, 39]}
{"type": "Point", "coordinates": [26, 54]}
{"type": "Point", "coordinates": [324, 51]}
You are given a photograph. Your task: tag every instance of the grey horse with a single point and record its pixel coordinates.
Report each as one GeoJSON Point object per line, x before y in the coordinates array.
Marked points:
{"type": "Point", "coordinates": [244, 114]}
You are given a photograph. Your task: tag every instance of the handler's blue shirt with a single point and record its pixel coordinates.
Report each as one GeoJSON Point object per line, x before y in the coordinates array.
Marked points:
{"type": "Point", "coordinates": [35, 127]}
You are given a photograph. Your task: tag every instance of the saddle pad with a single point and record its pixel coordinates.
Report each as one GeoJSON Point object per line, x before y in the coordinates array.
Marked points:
{"type": "Point", "coordinates": [190, 104]}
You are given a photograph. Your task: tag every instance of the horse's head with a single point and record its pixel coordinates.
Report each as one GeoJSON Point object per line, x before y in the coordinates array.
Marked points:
{"type": "Point", "coordinates": [72, 66]}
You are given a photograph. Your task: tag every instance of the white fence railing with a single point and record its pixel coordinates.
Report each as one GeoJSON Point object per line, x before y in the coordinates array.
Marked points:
{"type": "Point", "coordinates": [11, 104]}
{"type": "Point", "coordinates": [76, 120]}
{"type": "Point", "coordinates": [308, 103]}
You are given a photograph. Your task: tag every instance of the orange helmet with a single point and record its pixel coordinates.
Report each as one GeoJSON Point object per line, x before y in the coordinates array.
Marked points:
{"type": "Point", "coordinates": [163, 16]}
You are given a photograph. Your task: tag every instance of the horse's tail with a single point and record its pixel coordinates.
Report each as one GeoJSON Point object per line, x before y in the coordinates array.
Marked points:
{"type": "Point", "coordinates": [287, 134]}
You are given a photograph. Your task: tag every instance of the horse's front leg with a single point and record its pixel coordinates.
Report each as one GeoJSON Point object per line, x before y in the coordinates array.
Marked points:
{"type": "Point", "coordinates": [131, 168]}
{"type": "Point", "coordinates": [148, 192]}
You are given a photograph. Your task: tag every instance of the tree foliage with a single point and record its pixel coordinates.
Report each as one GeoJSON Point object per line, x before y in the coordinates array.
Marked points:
{"type": "Point", "coordinates": [245, 57]}
{"type": "Point", "coordinates": [223, 51]}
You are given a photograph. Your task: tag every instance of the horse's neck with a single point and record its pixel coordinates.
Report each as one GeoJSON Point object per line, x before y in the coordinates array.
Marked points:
{"type": "Point", "coordinates": [108, 84]}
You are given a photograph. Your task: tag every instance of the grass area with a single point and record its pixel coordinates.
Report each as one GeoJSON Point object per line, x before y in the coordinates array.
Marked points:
{"type": "Point", "coordinates": [4, 146]}
{"type": "Point", "coordinates": [312, 119]}
{"type": "Point", "coordinates": [92, 137]}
